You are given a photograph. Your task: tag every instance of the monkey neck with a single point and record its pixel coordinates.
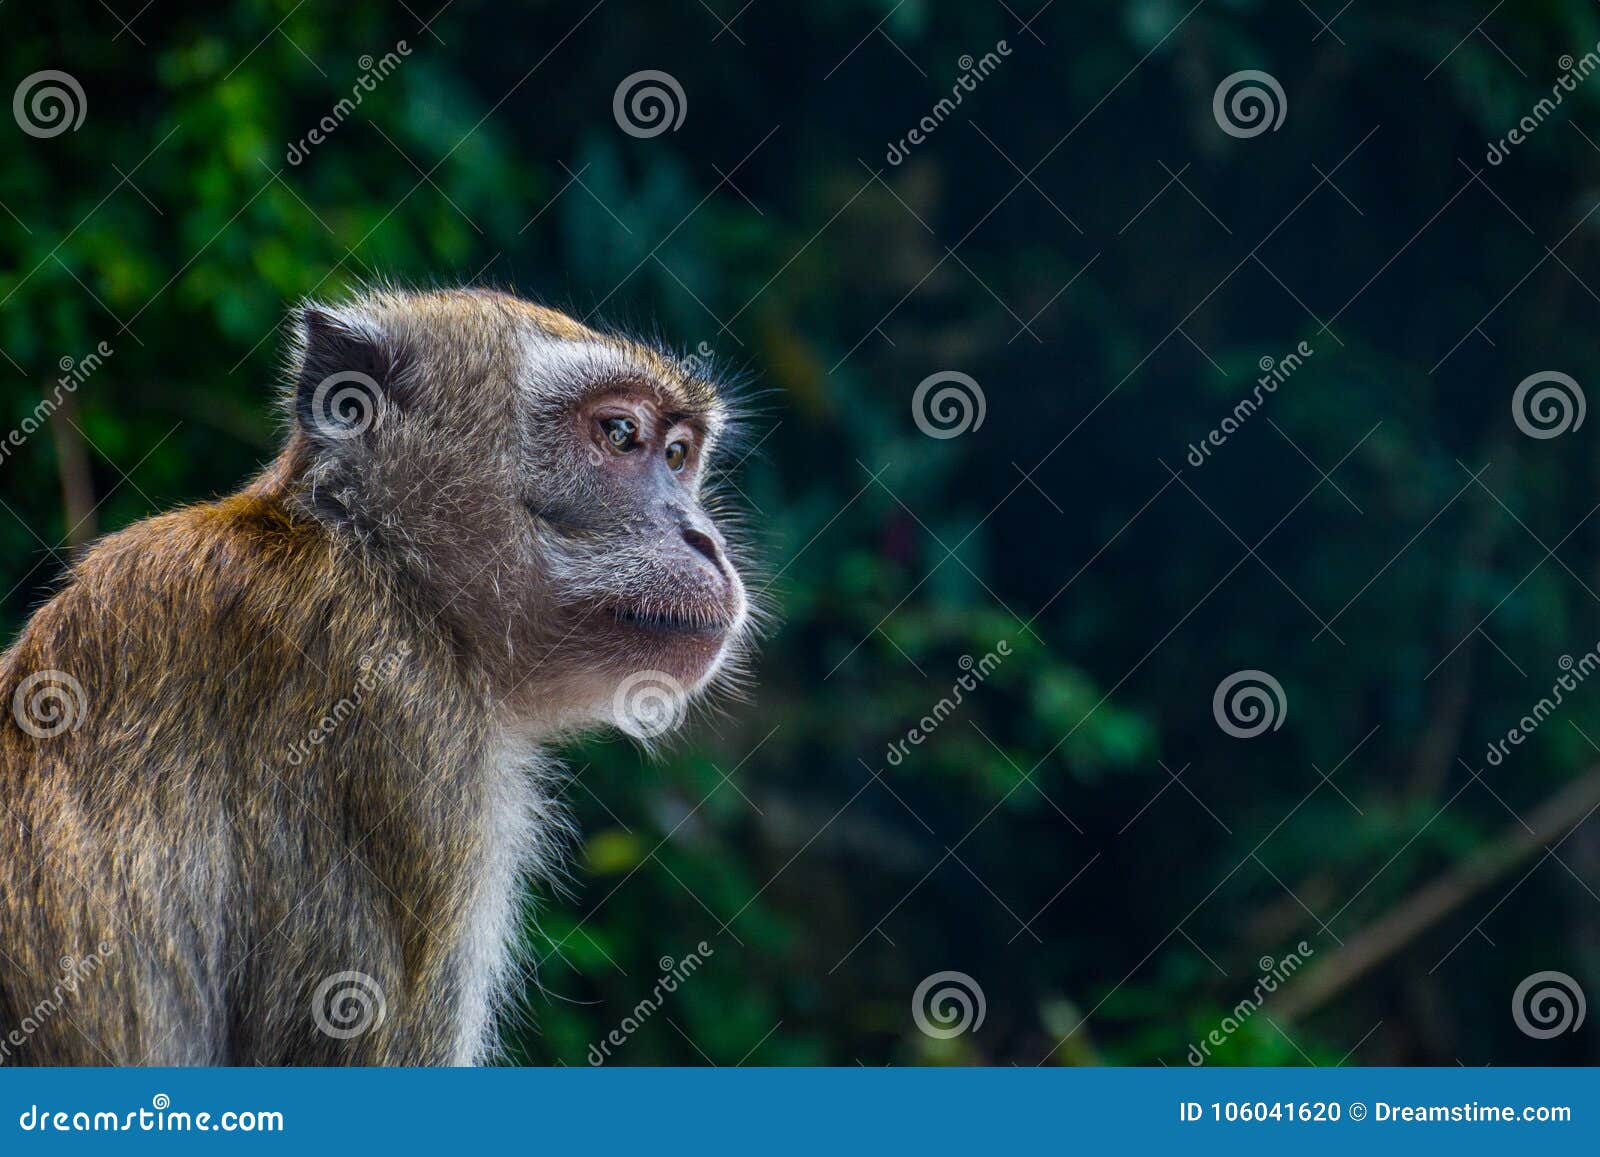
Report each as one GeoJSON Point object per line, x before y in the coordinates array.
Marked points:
{"type": "Point", "coordinates": [445, 616]}
{"type": "Point", "coordinates": [284, 475]}
{"type": "Point", "coordinates": [449, 595]}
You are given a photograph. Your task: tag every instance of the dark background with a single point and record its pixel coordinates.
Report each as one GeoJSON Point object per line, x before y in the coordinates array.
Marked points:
{"type": "Point", "coordinates": [1080, 837]}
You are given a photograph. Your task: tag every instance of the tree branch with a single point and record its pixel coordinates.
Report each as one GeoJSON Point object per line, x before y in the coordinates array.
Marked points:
{"type": "Point", "coordinates": [1389, 934]}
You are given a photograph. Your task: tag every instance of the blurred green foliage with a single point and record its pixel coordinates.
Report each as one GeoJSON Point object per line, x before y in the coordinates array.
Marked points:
{"type": "Point", "coordinates": [1080, 237]}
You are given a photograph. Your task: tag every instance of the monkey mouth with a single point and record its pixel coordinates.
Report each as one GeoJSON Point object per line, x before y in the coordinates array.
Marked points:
{"type": "Point", "coordinates": [670, 623]}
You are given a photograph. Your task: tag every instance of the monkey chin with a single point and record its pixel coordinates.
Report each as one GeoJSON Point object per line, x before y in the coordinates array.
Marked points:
{"type": "Point", "coordinates": [687, 648]}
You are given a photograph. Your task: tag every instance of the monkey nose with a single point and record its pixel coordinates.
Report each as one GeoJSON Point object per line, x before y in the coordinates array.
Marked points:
{"type": "Point", "coordinates": [704, 545]}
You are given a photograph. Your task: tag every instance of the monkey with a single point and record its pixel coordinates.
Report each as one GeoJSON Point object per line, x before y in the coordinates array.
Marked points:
{"type": "Point", "coordinates": [275, 770]}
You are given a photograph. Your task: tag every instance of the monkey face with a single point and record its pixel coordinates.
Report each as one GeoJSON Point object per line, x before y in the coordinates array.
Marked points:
{"type": "Point", "coordinates": [544, 486]}
{"type": "Point", "coordinates": [639, 576]}
{"type": "Point", "coordinates": [645, 591]}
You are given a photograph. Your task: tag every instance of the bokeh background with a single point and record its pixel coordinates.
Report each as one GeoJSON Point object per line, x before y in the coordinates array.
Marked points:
{"type": "Point", "coordinates": [1081, 838]}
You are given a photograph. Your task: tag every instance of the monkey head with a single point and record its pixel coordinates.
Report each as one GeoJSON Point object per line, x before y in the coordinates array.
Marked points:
{"type": "Point", "coordinates": [538, 489]}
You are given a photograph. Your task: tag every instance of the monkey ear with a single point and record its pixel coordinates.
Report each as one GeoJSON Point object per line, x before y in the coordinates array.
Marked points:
{"type": "Point", "coordinates": [348, 375]}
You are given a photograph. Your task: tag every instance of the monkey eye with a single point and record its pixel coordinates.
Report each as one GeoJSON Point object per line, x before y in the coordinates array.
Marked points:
{"type": "Point", "coordinates": [677, 454]}
{"type": "Point", "coordinates": [622, 433]}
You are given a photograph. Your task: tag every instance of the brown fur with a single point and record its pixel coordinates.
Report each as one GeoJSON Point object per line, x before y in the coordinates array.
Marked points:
{"type": "Point", "coordinates": [216, 866]}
